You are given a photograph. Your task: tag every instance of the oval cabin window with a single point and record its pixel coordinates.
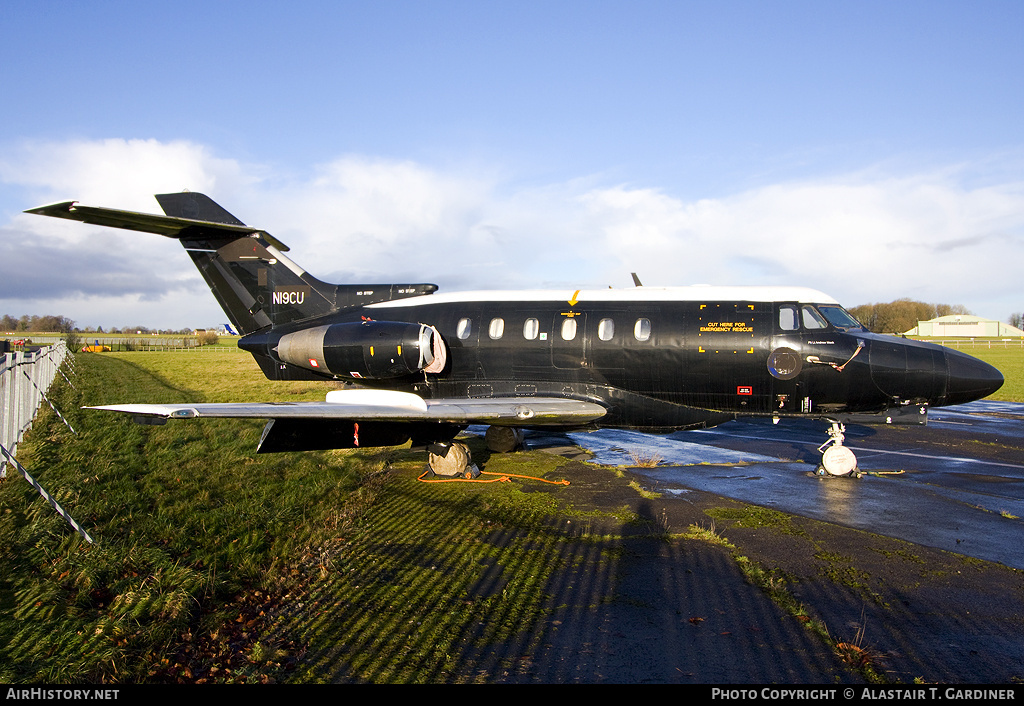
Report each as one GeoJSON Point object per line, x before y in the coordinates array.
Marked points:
{"type": "Point", "coordinates": [464, 329]}
{"type": "Point", "coordinates": [642, 329]}
{"type": "Point", "coordinates": [530, 329]}
{"type": "Point", "coordinates": [496, 329]}
{"type": "Point", "coordinates": [606, 329]}
{"type": "Point", "coordinates": [568, 329]}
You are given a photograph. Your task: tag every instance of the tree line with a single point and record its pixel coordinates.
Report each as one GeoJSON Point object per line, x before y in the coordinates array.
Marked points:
{"type": "Point", "coordinates": [902, 315]}
{"type": "Point", "coordinates": [62, 324]}
{"type": "Point", "coordinates": [49, 324]}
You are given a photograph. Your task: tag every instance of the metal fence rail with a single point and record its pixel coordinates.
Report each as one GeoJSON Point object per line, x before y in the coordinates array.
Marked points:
{"type": "Point", "coordinates": [979, 343]}
{"type": "Point", "coordinates": [24, 379]}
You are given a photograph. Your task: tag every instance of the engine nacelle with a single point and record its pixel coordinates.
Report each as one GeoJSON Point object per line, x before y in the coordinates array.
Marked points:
{"type": "Point", "coordinates": [376, 350]}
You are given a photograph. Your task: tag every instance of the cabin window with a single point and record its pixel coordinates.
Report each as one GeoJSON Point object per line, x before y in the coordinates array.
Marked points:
{"type": "Point", "coordinates": [496, 329]}
{"type": "Point", "coordinates": [606, 329]}
{"type": "Point", "coordinates": [464, 329]}
{"type": "Point", "coordinates": [530, 329]}
{"type": "Point", "coordinates": [788, 320]}
{"type": "Point", "coordinates": [568, 329]}
{"type": "Point", "coordinates": [812, 319]}
{"type": "Point", "coordinates": [642, 329]}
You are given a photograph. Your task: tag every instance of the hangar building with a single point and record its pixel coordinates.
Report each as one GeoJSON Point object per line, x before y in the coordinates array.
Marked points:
{"type": "Point", "coordinates": [964, 326]}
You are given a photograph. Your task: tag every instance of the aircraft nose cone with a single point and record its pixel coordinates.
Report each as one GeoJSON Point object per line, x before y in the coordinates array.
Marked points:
{"type": "Point", "coordinates": [969, 379]}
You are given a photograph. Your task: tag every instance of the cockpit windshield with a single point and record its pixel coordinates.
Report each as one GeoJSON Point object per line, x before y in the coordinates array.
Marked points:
{"type": "Point", "coordinates": [839, 317]}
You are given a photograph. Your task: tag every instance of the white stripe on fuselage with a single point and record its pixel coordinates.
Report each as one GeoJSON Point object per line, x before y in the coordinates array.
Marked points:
{"type": "Point", "coordinates": [697, 293]}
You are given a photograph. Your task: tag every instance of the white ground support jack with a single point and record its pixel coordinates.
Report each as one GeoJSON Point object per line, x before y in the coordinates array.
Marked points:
{"type": "Point", "coordinates": [836, 459]}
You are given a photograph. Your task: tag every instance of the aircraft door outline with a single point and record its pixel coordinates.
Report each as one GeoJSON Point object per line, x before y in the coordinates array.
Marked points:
{"type": "Point", "coordinates": [785, 358]}
{"type": "Point", "coordinates": [569, 343]}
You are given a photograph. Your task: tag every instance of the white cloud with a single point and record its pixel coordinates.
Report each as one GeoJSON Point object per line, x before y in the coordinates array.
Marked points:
{"type": "Point", "coordinates": [130, 171]}
{"type": "Point", "coordinates": [860, 237]}
{"type": "Point", "coordinates": [923, 236]}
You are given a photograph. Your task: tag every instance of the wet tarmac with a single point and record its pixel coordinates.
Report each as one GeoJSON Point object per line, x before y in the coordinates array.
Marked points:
{"type": "Point", "coordinates": [956, 484]}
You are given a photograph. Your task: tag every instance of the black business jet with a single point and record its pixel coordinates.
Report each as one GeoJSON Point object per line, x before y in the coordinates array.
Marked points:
{"type": "Point", "coordinates": [421, 366]}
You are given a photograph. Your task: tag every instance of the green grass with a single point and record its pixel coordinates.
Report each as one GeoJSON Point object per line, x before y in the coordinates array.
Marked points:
{"type": "Point", "coordinates": [755, 516]}
{"type": "Point", "coordinates": [207, 556]}
{"type": "Point", "coordinates": [1010, 362]}
{"type": "Point", "coordinates": [186, 520]}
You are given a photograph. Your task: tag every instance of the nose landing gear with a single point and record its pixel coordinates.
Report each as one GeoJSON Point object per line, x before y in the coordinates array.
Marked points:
{"type": "Point", "coordinates": [836, 459]}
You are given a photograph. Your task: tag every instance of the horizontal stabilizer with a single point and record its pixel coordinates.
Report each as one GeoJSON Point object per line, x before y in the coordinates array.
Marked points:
{"type": "Point", "coordinates": [168, 226]}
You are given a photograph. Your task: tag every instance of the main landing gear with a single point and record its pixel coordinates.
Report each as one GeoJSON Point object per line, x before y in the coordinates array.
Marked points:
{"type": "Point", "coordinates": [452, 459]}
{"type": "Point", "coordinates": [836, 459]}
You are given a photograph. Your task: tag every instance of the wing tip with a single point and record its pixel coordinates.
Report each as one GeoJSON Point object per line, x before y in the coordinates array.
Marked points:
{"type": "Point", "coordinates": [53, 209]}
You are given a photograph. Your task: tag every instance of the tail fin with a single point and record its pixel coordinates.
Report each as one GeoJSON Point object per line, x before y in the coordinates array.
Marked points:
{"type": "Point", "coordinates": [256, 285]}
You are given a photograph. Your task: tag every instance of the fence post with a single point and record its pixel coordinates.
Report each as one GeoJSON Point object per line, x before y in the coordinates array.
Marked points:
{"type": "Point", "coordinates": [7, 401]}
{"type": "Point", "coordinates": [23, 379]}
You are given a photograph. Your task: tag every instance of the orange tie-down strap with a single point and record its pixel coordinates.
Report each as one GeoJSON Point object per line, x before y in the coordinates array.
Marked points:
{"type": "Point", "coordinates": [498, 478]}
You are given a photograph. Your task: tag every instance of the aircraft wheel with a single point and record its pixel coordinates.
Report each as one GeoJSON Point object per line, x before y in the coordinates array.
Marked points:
{"type": "Point", "coordinates": [503, 440]}
{"type": "Point", "coordinates": [451, 460]}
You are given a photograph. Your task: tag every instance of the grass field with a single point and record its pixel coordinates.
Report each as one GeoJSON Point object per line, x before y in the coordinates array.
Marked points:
{"type": "Point", "coordinates": [208, 556]}
{"type": "Point", "coordinates": [1010, 362]}
{"type": "Point", "coordinates": [202, 545]}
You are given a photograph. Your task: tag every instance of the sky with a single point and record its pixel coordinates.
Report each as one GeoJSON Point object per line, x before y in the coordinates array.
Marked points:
{"type": "Point", "coordinates": [872, 150]}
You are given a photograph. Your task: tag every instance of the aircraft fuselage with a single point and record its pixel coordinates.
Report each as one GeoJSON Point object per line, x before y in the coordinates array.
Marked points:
{"type": "Point", "coordinates": [657, 358]}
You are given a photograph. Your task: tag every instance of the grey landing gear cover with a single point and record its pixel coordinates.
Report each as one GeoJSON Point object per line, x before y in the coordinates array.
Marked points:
{"type": "Point", "coordinates": [504, 440]}
{"type": "Point", "coordinates": [451, 460]}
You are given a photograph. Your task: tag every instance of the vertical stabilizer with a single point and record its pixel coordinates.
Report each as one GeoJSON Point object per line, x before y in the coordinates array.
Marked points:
{"type": "Point", "coordinates": [246, 269]}
{"type": "Point", "coordinates": [255, 284]}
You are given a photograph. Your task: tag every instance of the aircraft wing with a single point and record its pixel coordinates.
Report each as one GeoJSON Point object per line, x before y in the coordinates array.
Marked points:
{"type": "Point", "coordinates": [386, 406]}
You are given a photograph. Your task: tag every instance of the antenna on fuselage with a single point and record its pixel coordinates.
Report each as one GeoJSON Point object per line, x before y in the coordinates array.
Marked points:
{"type": "Point", "coordinates": [636, 280]}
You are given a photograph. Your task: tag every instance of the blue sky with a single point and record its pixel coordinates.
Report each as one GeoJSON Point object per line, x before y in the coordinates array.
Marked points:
{"type": "Point", "coordinates": [873, 150]}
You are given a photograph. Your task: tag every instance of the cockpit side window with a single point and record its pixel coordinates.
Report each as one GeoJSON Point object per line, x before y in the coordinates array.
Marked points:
{"type": "Point", "coordinates": [788, 320]}
{"type": "Point", "coordinates": [812, 319]}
